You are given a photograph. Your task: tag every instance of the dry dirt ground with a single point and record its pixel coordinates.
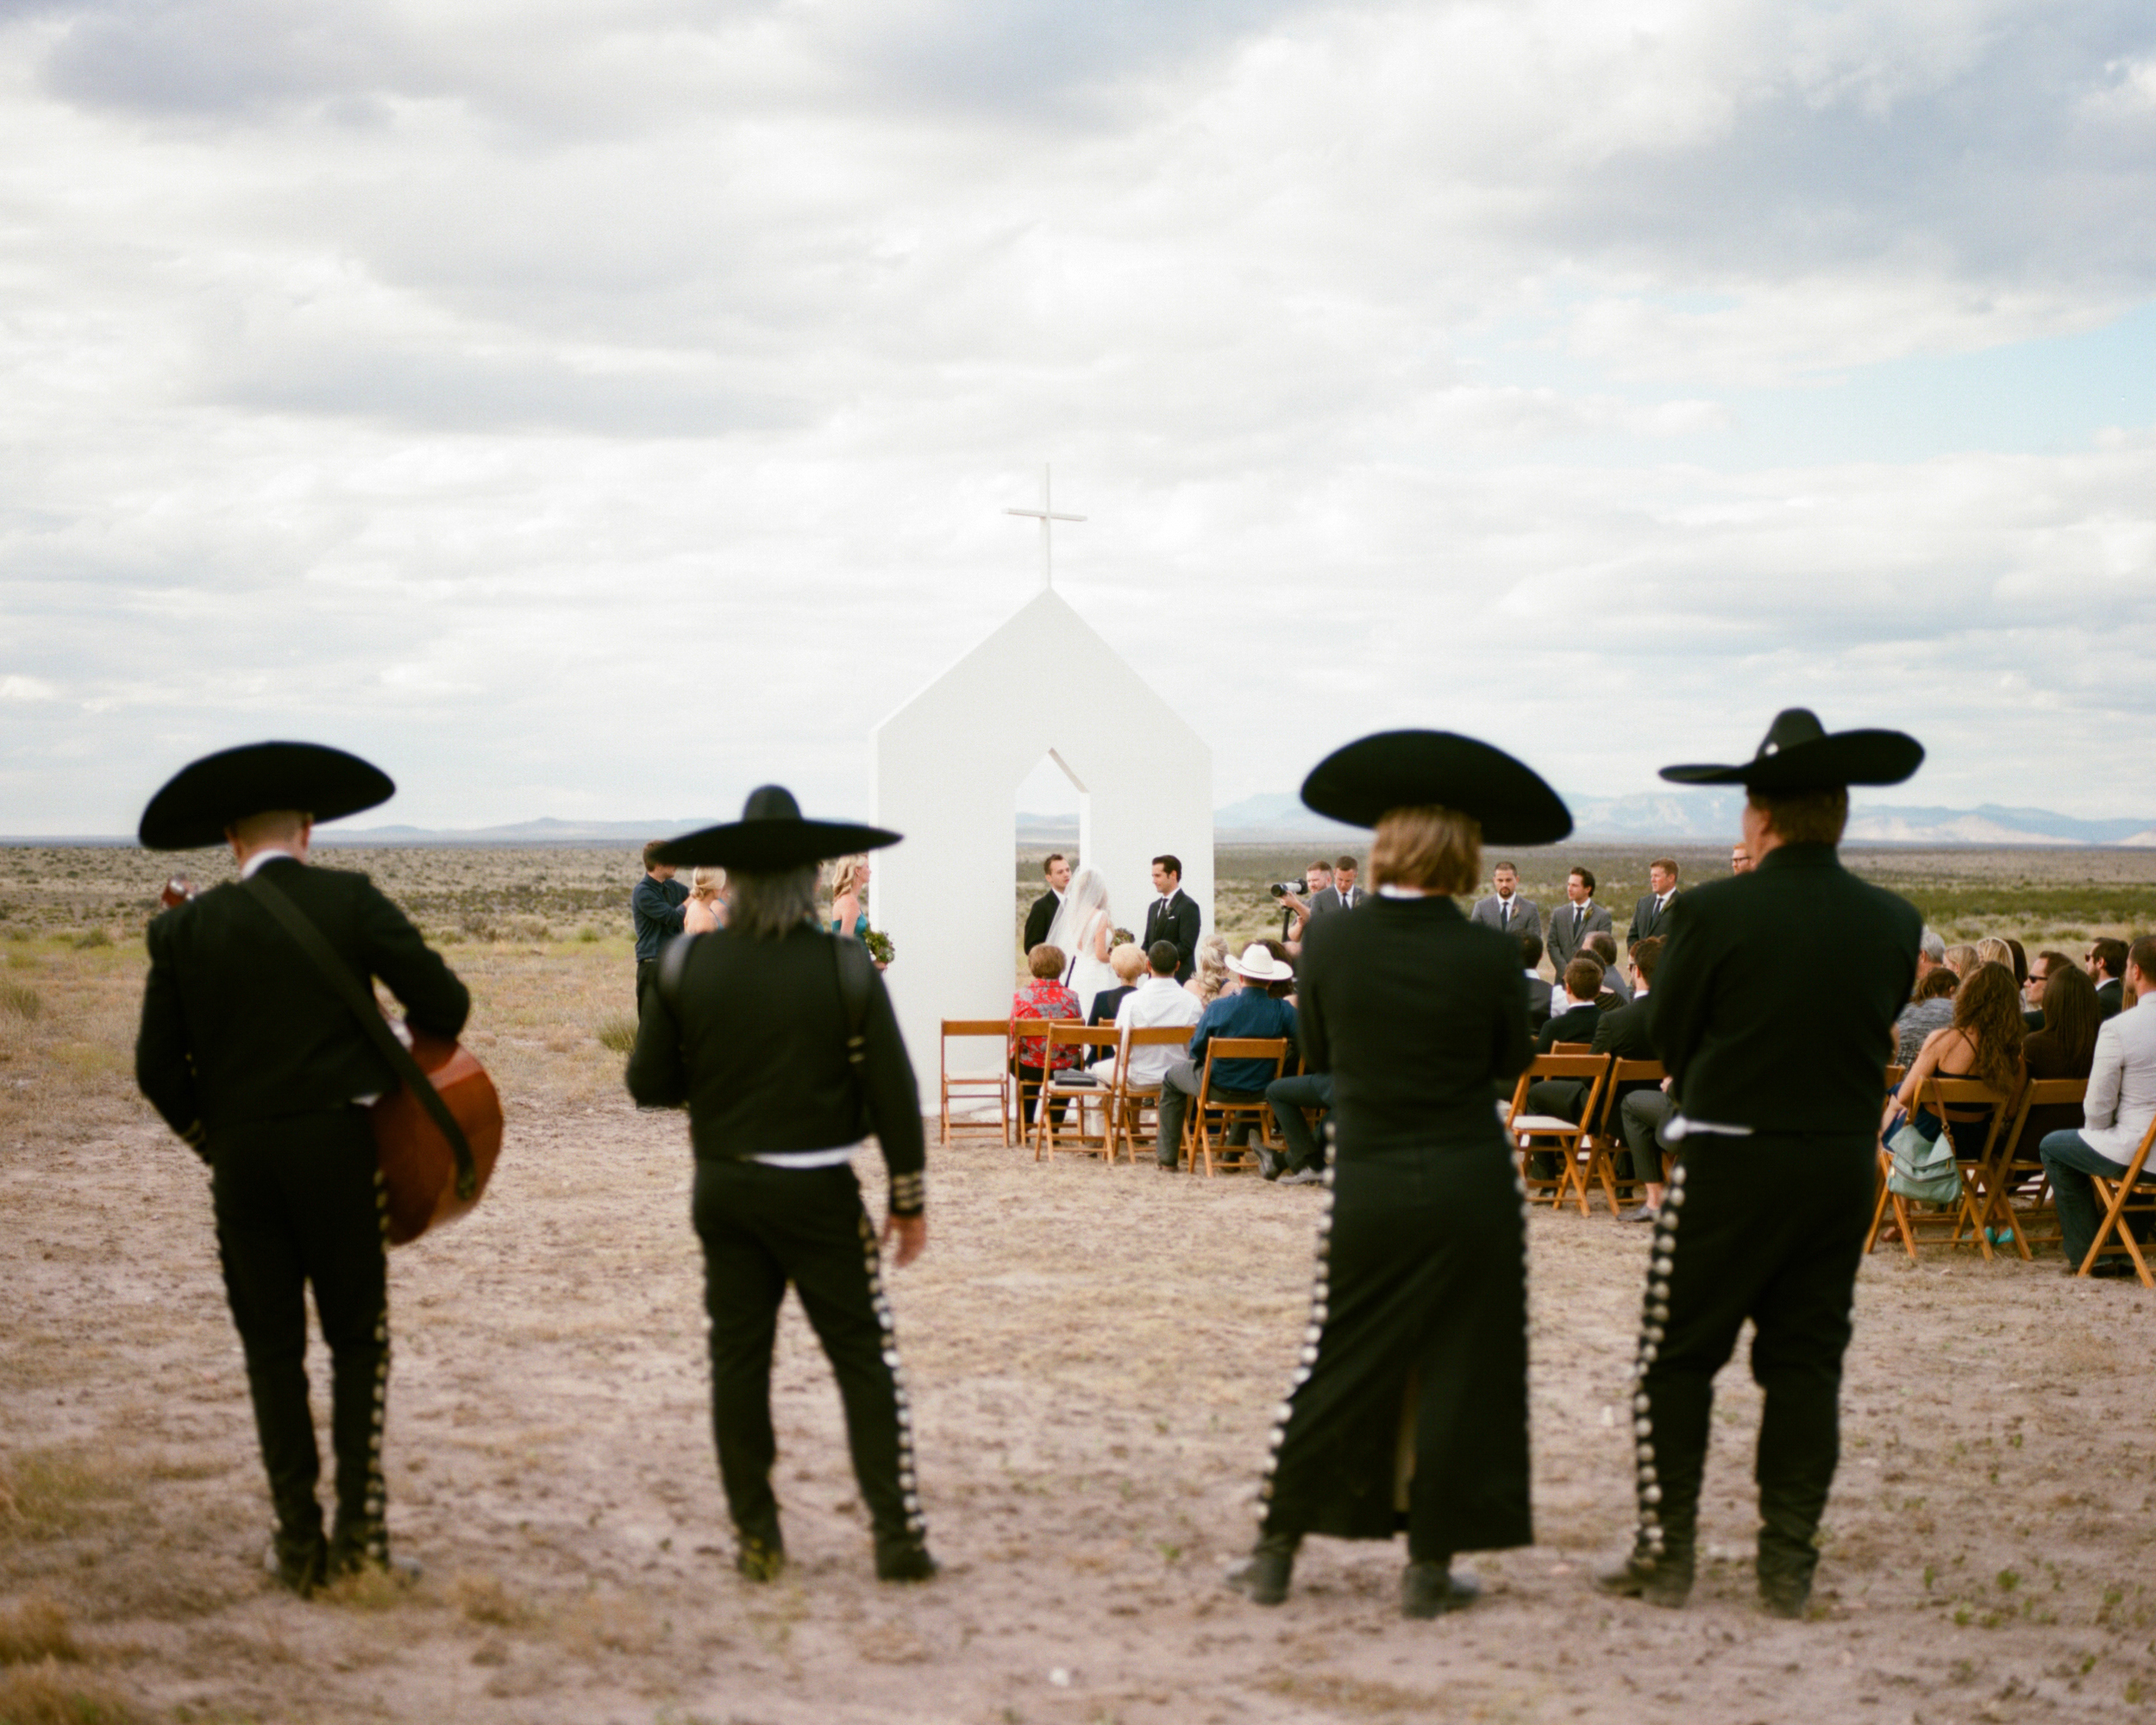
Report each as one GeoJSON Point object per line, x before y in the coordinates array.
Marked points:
{"type": "Point", "coordinates": [1094, 1353]}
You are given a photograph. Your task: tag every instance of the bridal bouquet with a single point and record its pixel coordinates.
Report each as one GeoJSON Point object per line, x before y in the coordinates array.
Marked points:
{"type": "Point", "coordinates": [878, 945]}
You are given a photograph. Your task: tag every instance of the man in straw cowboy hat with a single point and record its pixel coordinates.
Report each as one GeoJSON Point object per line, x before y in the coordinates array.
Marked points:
{"type": "Point", "coordinates": [1248, 1012]}
{"type": "Point", "coordinates": [254, 1060]}
{"type": "Point", "coordinates": [781, 1040]}
{"type": "Point", "coordinates": [1775, 1098]}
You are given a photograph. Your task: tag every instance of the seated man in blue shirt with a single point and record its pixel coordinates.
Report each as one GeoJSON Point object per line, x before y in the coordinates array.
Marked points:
{"type": "Point", "coordinates": [1249, 1011]}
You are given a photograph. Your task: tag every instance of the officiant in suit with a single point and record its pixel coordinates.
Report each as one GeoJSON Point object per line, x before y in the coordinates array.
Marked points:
{"type": "Point", "coordinates": [1505, 910]}
{"type": "Point", "coordinates": [260, 1066]}
{"type": "Point", "coordinates": [1650, 916]}
{"type": "Point", "coordinates": [1776, 1085]}
{"type": "Point", "coordinates": [1174, 916]}
{"type": "Point", "coordinates": [1058, 870]}
{"type": "Point", "coordinates": [1572, 922]}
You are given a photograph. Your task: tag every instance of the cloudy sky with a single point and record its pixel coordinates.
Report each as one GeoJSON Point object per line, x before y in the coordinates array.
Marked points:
{"type": "Point", "coordinates": [597, 410]}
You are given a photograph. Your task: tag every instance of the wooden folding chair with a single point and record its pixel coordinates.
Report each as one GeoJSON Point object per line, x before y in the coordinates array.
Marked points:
{"type": "Point", "coordinates": [1971, 1162]}
{"type": "Point", "coordinates": [969, 1085]}
{"type": "Point", "coordinates": [1022, 1089]}
{"type": "Point", "coordinates": [1068, 1085]}
{"type": "Point", "coordinates": [1571, 1048]}
{"type": "Point", "coordinates": [1606, 1137]}
{"type": "Point", "coordinates": [2120, 1198]}
{"type": "Point", "coordinates": [1592, 1070]}
{"type": "Point", "coordinates": [1132, 1100]}
{"type": "Point", "coordinates": [1198, 1124]}
{"type": "Point", "coordinates": [2019, 1163]}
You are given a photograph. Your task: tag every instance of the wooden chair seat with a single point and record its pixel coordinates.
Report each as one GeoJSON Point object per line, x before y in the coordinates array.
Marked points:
{"type": "Point", "coordinates": [2019, 1167]}
{"type": "Point", "coordinates": [1068, 1084]}
{"type": "Point", "coordinates": [1608, 1137]}
{"type": "Point", "coordinates": [1973, 1161]}
{"type": "Point", "coordinates": [2120, 1198]}
{"type": "Point", "coordinates": [1132, 1100]}
{"type": "Point", "coordinates": [1561, 1137]}
{"type": "Point", "coordinates": [1206, 1108]}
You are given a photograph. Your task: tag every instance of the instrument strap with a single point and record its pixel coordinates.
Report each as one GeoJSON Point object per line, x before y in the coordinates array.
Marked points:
{"type": "Point", "coordinates": [361, 1003]}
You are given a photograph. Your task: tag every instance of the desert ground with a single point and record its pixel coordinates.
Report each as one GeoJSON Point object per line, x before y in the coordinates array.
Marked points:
{"type": "Point", "coordinates": [1094, 1354]}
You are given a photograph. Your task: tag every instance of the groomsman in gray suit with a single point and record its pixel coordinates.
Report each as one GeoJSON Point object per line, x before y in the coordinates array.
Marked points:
{"type": "Point", "coordinates": [1343, 894]}
{"type": "Point", "coordinates": [1572, 922]}
{"type": "Point", "coordinates": [1505, 910]}
{"type": "Point", "coordinates": [1650, 916]}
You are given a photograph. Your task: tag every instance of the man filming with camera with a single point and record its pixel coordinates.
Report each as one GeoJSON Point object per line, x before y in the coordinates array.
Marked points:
{"type": "Point", "coordinates": [1299, 901]}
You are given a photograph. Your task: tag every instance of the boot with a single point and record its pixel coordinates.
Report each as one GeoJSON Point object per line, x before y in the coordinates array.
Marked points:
{"type": "Point", "coordinates": [1263, 1579]}
{"type": "Point", "coordinates": [1663, 1577]}
{"type": "Point", "coordinates": [1431, 1590]}
{"type": "Point", "coordinates": [759, 1559]}
{"type": "Point", "coordinates": [1786, 1565]}
{"type": "Point", "coordinates": [904, 1557]}
{"type": "Point", "coordinates": [298, 1563]}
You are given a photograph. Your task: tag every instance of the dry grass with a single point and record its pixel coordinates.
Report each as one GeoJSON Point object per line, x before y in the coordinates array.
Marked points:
{"type": "Point", "coordinates": [49, 1694]}
{"type": "Point", "coordinates": [483, 1599]}
{"type": "Point", "coordinates": [21, 1001]}
{"type": "Point", "coordinates": [618, 1032]}
{"type": "Point", "coordinates": [37, 1630]}
{"type": "Point", "coordinates": [47, 1494]}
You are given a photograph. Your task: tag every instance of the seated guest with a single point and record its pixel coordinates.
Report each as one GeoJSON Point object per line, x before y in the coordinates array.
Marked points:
{"type": "Point", "coordinates": [2107, 964]}
{"type": "Point", "coordinates": [1931, 953]}
{"type": "Point", "coordinates": [1601, 947]}
{"type": "Point", "coordinates": [1304, 1163]}
{"type": "Point", "coordinates": [2065, 1045]}
{"type": "Point", "coordinates": [1284, 989]}
{"type": "Point", "coordinates": [1573, 1015]}
{"type": "Point", "coordinates": [1157, 1002]}
{"type": "Point", "coordinates": [1624, 1033]}
{"type": "Point", "coordinates": [1537, 984]}
{"type": "Point", "coordinates": [1044, 997]}
{"type": "Point", "coordinates": [1984, 1042]}
{"type": "Point", "coordinates": [1961, 960]}
{"type": "Point", "coordinates": [1933, 1009]}
{"type": "Point", "coordinates": [1992, 950]}
{"type": "Point", "coordinates": [2122, 1103]}
{"type": "Point", "coordinates": [1129, 964]}
{"type": "Point", "coordinates": [2040, 969]}
{"type": "Point", "coordinates": [1212, 978]}
{"type": "Point", "coordinates": [1250, 1011]}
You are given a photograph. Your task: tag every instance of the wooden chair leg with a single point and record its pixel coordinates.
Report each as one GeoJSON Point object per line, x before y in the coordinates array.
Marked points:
{"type": "Point", "coordinates": [1879, 1207]}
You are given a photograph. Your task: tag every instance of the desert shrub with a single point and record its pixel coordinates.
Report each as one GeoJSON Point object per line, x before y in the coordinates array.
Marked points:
{"type": "Point", "coordinates": [22, 999]}
{"type": "Point", "coordinates": [617, 1031]}
{"type": "Point", "coordinates": [587, 934]}
{"type": "Point", "coordinates": [483, 1599]}
{"type": "Point", "coordinates": [37, 1629]}
{"type": "Point", "coordinates": [92, 936]}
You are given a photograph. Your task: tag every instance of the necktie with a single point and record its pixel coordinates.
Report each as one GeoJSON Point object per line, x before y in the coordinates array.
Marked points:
{"type": "Point", "coordinates": [1579, 916]}
{"type": "Point", "coordinates": [1506, 903]}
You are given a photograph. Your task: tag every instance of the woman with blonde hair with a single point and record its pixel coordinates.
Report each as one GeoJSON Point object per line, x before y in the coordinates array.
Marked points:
{"type": "Point", "coordinates": [1412, 1392]}
{"type": "Point", "coordinates": [1212, 978]}
{"type": "Point", "coordinates": [849, 882]}
{"type": "Point", "coordinates": [705, 910]}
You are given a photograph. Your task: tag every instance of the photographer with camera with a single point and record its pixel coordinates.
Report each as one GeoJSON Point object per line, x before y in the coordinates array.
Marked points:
{"type": "Point", "coordinates": [1295, 908]}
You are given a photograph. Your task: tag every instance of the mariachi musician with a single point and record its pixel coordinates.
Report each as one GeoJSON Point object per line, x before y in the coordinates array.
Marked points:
{"type": "Point", "coordinates": [1774, 1008]}
{"type": "Point", "coordinates": [1408, 1411]}
{"type": "Point", "coordinates": [255, 1061]}
{"type": "Point", "coordinates": [781, 1040]}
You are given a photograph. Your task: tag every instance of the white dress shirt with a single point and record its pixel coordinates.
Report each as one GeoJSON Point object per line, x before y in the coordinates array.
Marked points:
{"type": "Point", "coordinates": [1156, 1001]}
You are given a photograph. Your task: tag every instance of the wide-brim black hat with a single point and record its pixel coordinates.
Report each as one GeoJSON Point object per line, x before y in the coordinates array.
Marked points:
{"type": "Point", "coordinates": [1408, 768]}
{"type": "Point", "coordinates": [202, 799]}
{"type": "Point", "coordinates": [1800, 754]}
{"type": "Point", "coordinates": [771, 836]}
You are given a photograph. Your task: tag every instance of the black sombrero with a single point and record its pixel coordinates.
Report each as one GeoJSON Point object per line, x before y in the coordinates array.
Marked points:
{"type": "Point", "coordinates": [1800, 754]}
{"type": "Point", "coordinates": [771, 836]}
{"type": "Point", "coordinates": [1408, 769]}
{"type": "Point", "coordinates": [202, 799]}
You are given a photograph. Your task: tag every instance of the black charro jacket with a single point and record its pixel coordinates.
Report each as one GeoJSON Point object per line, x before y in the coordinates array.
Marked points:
{"type": "Point", "coordinates": [238, 1024]}
{"type": "Point", "coordinates": [1774, 1003]}
{"type": "Point", "coordinates": [752, 1035]}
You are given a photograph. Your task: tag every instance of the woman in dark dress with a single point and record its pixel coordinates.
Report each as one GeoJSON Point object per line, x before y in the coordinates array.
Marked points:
{"type": "Point", "coordinates": [1409, 1405]}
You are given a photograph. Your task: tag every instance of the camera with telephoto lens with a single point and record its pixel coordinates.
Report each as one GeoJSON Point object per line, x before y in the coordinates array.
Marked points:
{"type": "Point", "coordinates": [1279, 889]}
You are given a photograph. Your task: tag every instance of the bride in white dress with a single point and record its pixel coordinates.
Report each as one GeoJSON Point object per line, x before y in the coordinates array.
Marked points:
{"type": "Point", "coordinates": [1081, 929]}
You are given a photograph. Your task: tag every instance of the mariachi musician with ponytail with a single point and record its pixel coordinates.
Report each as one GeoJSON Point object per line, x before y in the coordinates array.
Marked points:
{"type": "Point", "coordinates": [254, 1056]}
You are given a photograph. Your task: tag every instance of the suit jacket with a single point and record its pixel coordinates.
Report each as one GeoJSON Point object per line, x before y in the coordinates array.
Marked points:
{"type": "Point", "coordinates": [1577, 1025]}
{"type": "Point", "coordinates": [1331, 900]}
{"type": "Point", "coordinates": [2110, 998]}
{"type": "Point", "coordinates": [1181, 921]}
{"type": "Point", "coordinates": [1038, 919]}
{"type": "Point", "coordinates": [2121, 1085]}
{"type": "Point", "coordinates": [1775, 1002]}
{"type": "Point", "coordinates": [238, 1024]}
{"type": "Point", "coordinates": [1628, 1033]}
{"type": "Point", "coordinates": [1647, 922]}
{"type": "Point", "coordinates": [1562, 944]}
{"type": "Point", "coordinates": [1526, 917]}
{"type": "Point", "coordinates": [1538, 1003]}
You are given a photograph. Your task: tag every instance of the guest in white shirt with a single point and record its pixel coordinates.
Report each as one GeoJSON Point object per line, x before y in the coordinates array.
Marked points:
{"type": "Point", "coordinates": [1158, 1001]}
{"type": "Point", "coordinates": [2122, 1103]}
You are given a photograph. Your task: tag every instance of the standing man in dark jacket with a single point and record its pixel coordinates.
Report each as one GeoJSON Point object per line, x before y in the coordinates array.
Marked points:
{"type": "Point", "coordinates": [253, 1060]}
{"type": "Point", "coordinates": [1650, 916]}
{"type": "Point", "coordinates": [1174, 916]}
{"type": "Point", "coordinates": [1056, 870]}
{"type": "Point", "coordinates": [654, 907]}
{"type": "Point", "coordinates": [781, 1040]}
{"type": "Point", "coordinates": [1774, 1007]}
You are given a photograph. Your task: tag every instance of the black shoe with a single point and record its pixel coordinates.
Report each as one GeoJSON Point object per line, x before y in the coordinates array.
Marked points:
{"type": "Point", "coordinates": [1263, 1579]}
{"type": "Point", "coordinates": [905, 1559]}
{"type": "Point", "coordinates": [760, 1559]}
{"type": "Point", "coordinates": [2107, 1267]}
{"type": "Point", "coordinates": [299, 1567]}
{"type": "Point", "coordinates": [1431, 1590]}
{"type": "Point", "coordinates": [1664, 1580]}
{"type": "Point", "coordinates": [1782, 1596]}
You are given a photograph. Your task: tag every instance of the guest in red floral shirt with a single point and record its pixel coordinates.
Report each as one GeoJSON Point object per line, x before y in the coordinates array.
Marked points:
{"type": "Point", "coordinates": [1044, 997]}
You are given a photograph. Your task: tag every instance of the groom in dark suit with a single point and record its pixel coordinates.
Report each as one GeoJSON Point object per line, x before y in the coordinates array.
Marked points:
{"type": "Point", "coordinates": [1650, 916]}
{"type": "Point", "coordinates": [1174, 916]}
{"type": "Point", "coordinates": [1042, 913]}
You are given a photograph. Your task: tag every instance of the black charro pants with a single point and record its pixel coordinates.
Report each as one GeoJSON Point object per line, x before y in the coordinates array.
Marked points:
{"type": "Point", "coordinates": [1767, 1228]}
{"type": "Point", "coordinates": [298, 1202]}
{"type": "Point", "coordinates": [763, 1228]}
